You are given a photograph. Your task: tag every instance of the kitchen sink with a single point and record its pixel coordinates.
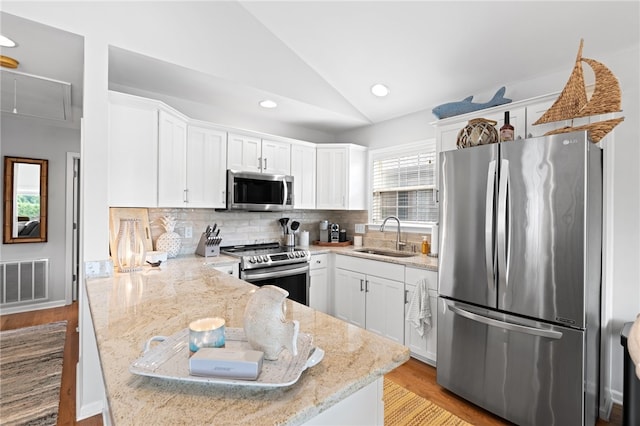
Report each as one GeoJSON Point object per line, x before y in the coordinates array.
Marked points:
{"type": "Point", "coordinates": [390, 253]}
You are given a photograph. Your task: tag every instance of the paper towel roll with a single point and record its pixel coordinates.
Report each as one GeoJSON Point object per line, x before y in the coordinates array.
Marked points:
{"type": "Point", "coordinates": [303, 239]}
{"type": "Point", "coordinates": [434, 239]}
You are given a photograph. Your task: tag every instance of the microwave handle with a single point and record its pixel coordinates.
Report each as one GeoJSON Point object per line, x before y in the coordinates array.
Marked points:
{"type": "Point", "coordinates": [286, 192]}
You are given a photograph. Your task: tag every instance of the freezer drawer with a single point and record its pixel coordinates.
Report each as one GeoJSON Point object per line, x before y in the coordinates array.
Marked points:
{"type": "Point", "coordinates": [525, 371]}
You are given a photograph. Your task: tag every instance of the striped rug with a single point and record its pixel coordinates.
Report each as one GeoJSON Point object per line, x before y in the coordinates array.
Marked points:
{"type": "Point", "coordinates": [31, 374]}
{"type": "Point", "coordinates": [405, 408]}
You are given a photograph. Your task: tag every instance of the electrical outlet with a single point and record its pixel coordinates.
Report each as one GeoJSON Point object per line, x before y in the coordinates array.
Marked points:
{"type": "Point", "coordinates": [360, 228]}
{"type": "Point", "coordinates": [188, 231]}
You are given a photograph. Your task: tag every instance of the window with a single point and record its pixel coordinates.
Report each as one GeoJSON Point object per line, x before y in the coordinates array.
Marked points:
{"type": "Point", "coordinates": [403, 183]}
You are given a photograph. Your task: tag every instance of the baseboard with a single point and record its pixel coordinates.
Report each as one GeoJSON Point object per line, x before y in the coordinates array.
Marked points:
{"type": "Point", "coordinates": [616, 397]}
{"type": "Point", "coordinates": [611, 398]}
{"type": "Point", "coordinates": [605, 409]}
{"type": "Point", "coordinates": [32, 307]}
{"type": "Point", "coordinates": [89, 410]}
{"type": "Point", "coordinates": [84, 411]}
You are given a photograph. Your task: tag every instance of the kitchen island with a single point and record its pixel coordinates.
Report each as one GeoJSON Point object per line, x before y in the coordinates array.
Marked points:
{"type": "Point", "coordinates": [127, 309]}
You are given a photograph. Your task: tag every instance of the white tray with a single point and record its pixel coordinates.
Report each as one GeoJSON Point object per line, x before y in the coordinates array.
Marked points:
{"type": "Point", "coordinates": [169, 359]}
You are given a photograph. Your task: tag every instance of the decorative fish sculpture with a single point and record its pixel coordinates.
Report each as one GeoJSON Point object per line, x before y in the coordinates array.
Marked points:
{"type": "Point", "coordinates": [464, 106]}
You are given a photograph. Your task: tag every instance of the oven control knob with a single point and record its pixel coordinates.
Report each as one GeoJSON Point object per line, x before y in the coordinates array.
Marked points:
{"type": "Point", "coordinates": [252, 259]}
{"type": "Point", "coordinates": [290, 255]}
{"type": "Point", "coordinates": [265, 258]}
{"type": "Point", "coordinates": [298, 254]}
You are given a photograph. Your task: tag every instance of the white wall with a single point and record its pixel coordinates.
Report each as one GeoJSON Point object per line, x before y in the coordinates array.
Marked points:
{"type": "Point", "coordinates": [33, 138]}
{"type": "Point", "coordinates": [621, 293]}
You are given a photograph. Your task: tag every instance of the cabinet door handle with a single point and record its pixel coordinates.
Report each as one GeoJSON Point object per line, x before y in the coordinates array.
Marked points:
{"type": "Point", "coordinates": [259, 163]}
{"type": "Point", "coordinates": [265, 164]}
{"type": "Point", "coordinates": [406, 297]}
{"type": "Point", "coordinates": [366, 286]}
{"type": "Point", "coordinates": [185, 195]}
{"type": "Point", "coordinates": [361, 283]}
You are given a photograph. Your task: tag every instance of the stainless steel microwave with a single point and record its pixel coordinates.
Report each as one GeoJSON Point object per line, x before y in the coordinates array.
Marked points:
{"type": "Point", "coordinates": [259, 191]}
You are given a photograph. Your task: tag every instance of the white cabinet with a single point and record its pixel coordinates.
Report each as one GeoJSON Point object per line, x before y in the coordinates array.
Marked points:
{"type": "Point", "coordinates": [276, 157]}
{"type": "Point", "coordinates": [172, 160]}
{"type": "Point", "coordinates": [423, 347]}
{"type": "Point", "coordinates": [206, 167]}
{"type": "Point", "coordinates": [303, 170]}
{"type": "Point", "coordinates": [319, 283]}
{"type": "Point", "coordinates": [253, 154]}
{"type": "Point", "coordinates": [231, 269]}
{"type": "Point", "coordinates": [341, 177]}
{"type": "Point", "coordinates": [191, 164]}
{"type": "Point", "coordinates": [133, 151]}
{"type": "Point", "coordinates": [447, 130]}
{"type": "Point", "coordinates": [243, 152]}
{"type": "Point", "coordinates": [370, 294]}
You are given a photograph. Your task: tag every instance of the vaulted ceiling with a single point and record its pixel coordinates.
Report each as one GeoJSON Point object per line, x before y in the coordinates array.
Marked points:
{"type": "Point", "coordinates": [318, 59]}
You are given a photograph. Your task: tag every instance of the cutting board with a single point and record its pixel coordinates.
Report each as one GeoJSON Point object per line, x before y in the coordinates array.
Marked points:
{"type": "Point", "coordinates": [117, 213]}
{"type": "Point", "coordinates": [326, 244]}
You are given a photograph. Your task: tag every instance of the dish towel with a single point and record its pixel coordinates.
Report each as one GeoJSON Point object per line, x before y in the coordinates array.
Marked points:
{"type": "Point", "coordinates": [419, 312]}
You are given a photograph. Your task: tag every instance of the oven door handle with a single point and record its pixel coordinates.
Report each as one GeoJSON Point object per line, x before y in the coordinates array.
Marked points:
{"type": "Point", "coordinates": [276, 274]}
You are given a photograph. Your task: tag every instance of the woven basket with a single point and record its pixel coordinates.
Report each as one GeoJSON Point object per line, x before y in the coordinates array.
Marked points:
{"type": "Point", "coordinates": [478, 131]}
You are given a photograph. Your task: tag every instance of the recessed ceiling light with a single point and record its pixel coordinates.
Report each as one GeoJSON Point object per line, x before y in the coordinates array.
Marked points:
{"type": "Point", "coordinates": [380, 90]}
{"type": "Point", "coordinates": [6, 41]}
{"type": "Point", "coordinates": [268, 103]}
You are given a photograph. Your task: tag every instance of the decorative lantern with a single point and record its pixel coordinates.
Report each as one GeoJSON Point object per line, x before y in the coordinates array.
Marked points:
{"type": "Point", "coordinates": [130, 251]}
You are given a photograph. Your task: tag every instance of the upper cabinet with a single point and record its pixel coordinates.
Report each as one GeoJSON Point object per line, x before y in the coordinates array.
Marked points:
{"type": "Point", "coordinates": [161, 158]}
{"type": "Point", "coordinates": [158, 159]}
{"type": "Point", "coordinates": [206, 167]}
{"type": "Point", "coordinates": [303, 170]}
{"type": "Point", "coordinates": [447, 130]}
{"type": "Point", "coordinates": [253, 154]}
{"type": "Point", "coordinates": [191, 164]}
{"type": "Point", "coordinates": [172, 160]}
{"type": "Point", "coordinates": [276, 157]}
{"type": "Point", "coordinates": [133, 151]}
{"type": "Point", "coordinates": [341, 177]}
{"type": "Point", "coordinates": [244, 152]}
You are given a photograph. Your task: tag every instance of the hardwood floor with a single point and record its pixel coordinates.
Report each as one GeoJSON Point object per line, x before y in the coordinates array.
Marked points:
{"type": "Point", "coordinates": [420, 379]}
{"type": "Point", "coordinates": [414, 375]}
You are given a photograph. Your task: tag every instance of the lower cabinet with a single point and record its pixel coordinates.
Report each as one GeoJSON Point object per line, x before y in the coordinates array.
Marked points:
{"type": "Point", "coordinates": [422, 347]}
{"type": "Point", "coordinates": [319, 283]}
{"type": "Point", "coordinates": [370, 294]}
{"type": "Point", "coordinates": [231, 269]}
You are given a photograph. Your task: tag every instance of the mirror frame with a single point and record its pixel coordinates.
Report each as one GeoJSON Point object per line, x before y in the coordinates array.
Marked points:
{"type": "Point", "coordinates": [9, 201]}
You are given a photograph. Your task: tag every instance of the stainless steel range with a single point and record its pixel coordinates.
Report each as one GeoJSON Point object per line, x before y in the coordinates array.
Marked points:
{"type": "Point", "coordinates": [272, 264]}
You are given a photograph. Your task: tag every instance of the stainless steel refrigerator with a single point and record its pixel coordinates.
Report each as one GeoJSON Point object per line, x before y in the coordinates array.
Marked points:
{"type": "Point", "coordinates": [519, 278]}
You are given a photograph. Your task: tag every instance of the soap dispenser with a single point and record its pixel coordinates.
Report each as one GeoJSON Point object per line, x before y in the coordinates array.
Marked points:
{"type": "Point", "coordinates": [425, 245]}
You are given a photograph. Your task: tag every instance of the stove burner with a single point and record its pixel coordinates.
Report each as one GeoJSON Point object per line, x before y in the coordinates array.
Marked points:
{"type": "Point", "coordinates": [266, 255]}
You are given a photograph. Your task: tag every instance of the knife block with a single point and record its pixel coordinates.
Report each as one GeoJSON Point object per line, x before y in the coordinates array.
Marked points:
{"type": "Point", "coordinates": [205, 250]}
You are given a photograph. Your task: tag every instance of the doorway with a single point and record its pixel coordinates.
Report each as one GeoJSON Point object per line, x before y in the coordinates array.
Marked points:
{"type": "Point", "coordinates": [72, 226]}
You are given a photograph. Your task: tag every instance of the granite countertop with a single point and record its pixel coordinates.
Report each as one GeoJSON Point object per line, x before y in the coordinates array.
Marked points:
{"type": "Point", "coordinates": [128, 309]}
{"type": "Point", "coordinates": [418, 261]}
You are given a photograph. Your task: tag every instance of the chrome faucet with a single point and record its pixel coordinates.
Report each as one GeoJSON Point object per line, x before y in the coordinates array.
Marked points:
{"type": "Point", "coordinates": [399, 243]}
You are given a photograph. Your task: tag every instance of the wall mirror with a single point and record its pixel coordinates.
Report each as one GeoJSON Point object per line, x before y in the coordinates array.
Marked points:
{"type": "Point", "coordinates": [25, 200]}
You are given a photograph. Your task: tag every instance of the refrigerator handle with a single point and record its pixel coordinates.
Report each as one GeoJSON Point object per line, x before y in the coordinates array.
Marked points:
{"type": "Point", "coordinates": [503, 269]}
{"type": "Point", "coordinates": [549, 334]}
{"type": "Point", "coordinates": [488, 224]}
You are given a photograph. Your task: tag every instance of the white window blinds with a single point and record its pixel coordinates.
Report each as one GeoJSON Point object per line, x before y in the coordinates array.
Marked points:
{"type": "Point", "coordinates": [403, 183]}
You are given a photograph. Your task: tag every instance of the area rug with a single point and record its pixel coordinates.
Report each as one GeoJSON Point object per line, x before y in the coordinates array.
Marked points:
{"type": "Point", "coordinates": [31, 374]}
{"type": "Point", "coordinates": [405, 408]}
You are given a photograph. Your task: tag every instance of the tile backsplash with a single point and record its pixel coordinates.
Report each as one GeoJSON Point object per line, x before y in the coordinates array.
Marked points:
{"type": "Point", "coordinates": [249, 227]}
{"type": "Point", "coordinates": [263, 227]}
